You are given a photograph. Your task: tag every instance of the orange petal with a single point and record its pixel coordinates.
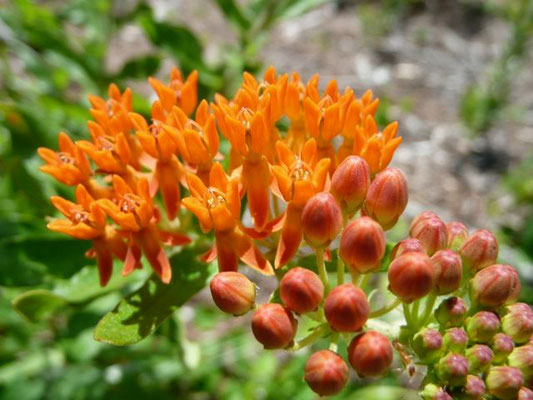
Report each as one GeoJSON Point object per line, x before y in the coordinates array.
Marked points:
{"type": "Point", "coordinates": [65, 207]}
{"type": "Point", "coordinates": [133, 259]}
{"type": "Point", "coordinates": [170, 188]}
{"type": "Point", "coordinates": [83, 197]}
{"type": "Point", "coordinates": [138, 121]}
{"type": "Point", "coordinates": [372, 154]}
{"type": "Point", "coordinates": [311, 117]}
{"type": "Point", "coordinates": [320, 174]}
{"type": "Point", "coordinates": [202, 213]}
{"type": "Point", "coordinates": [173, 238]}
{"type": "Point", "coordinates": [257, 178]}
{"type": "Point", "coordinates": [155, 254]}
{"type": "Point", "coordinates": [66, 145]}
{"type": "Point", "coordinates": [196, 186]}
{"type": "Point", "coordinates": [226, 256]}
{"type": "Point", "coordinates": [126, 221]}
{"type": "Point", "coordinates": [285, 154]}
{"type": "Point", "coordinates": [309, 151]}
{"type": "Point", "coordinates": [222, 218]}
{"type": "Point", "coordinates": [291, 236]}
{"type": "Point", "coordinates": [78, 231]}
{"type": "Point", "coordinates": [332, 121]}
{"type": "Point", "coordinates": [283, 181]}
{"type": "Point", "coordinates": [104, 259]}
{"type": "Point", "coordinates": [148, 143]}
{"type": "Point", "coordinates": [259, 134]}
{"type": "Point", "coordinates": [218, 178]}
{"type": "Point", "coordinates": [390, 131]}
{"type": "Point", "coordinates": [189, 96]}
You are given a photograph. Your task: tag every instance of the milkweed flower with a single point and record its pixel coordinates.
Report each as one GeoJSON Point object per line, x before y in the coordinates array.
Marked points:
{"type": "Point", "coordinates": [179, 92]}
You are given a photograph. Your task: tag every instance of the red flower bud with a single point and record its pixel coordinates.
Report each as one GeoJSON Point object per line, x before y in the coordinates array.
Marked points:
{"type": "Point", "coordinates": [411, 276]}
{"type": "Point", "coordinates": [427, 344]}
{"type": "Point", "coordinates": [504, 382]}
{"type": "Point", "coordinates": [233, 292]}
{"type": "Point", "coordinates": [474, 388]}
{"type": "Point", "coordinates": [370, 354]}
{"type": "Point", "coordinates": [457, 234]}
{"type": "Point", "coordinates": [451, 312]}
{"type": "Point", "coordinates": [495, 286]}
{"type": "Point", "coordinates": [431, 231]}
{"type": "Point", "coordinates": [362, 245]}
{"type": "Point", "coordinates": [448, 271]}
{"type": "Point", "coordinates": [346, 308]}
{"type": "Point", "coordinates": [387, 197]}
{"type": "Point", "coordinates": [321, 220]}
{"type": "Point", "coordinates": [479, 250]}
{"type": "Point", "coordinates": [301, 290]}
{"type": "Point", "coordinates": [455, 340]}
{"type": "Point", "coordinates": [522, 358]}
{"type": "Point", "coordinates": [407, 246]}
{"type": "Point", "coordinates": [274, 326]}
{"type": "Point", "coordinates": [525, 394]}
{"type": "Point", "coordinates": [326, 373]}
{"type": "Point", "coordinates": [479, 358]}
{"type": "Point", "coordinates": [350, 182]}
{"type": "Point", "coordinates": [482, 326]}
{"type": "Point", "coordinates": [502, 345]}
{"type": "Point", "coordinates": [518, 322]}
{"type": "Point", "coordinates": [452, 369]}
{"type": "Point", "coordinates": [434, 392]}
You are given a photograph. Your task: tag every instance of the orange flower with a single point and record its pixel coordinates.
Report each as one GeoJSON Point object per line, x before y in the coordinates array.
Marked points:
{"type": "Point", "coordinates": [86, 220]}
{"type": "Point", "coordinates": [116, 108]}
{"type": "Point", "coordinates": [133, 211]}
{"type": "Point", "coordinates": [218, 207]}
{"type": "Point", "coordinates": [183, 94]}
{"type": "Point", "coordinates": [298, 178]}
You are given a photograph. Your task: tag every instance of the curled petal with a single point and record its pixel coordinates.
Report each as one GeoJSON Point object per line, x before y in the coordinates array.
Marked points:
{"type": "Point", "coordinates": [78, 231]}
{"type": "Point", "coordinates": [291, 236]}
{"type": "Point", "coordinates": [64, 206]}
{"type": "Point", "coordinates": [196, 186]}
{"type": "Point", "coordinates": [202, 213]}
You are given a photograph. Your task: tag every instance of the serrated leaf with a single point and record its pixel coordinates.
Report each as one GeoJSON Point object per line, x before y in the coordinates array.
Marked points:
{"type": "Point", "coordinates": [139, 314]}
{"type": "Point", "coordinates": [36, 305]}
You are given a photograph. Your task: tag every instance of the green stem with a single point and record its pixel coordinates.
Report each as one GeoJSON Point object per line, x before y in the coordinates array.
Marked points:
{"type": "Point", "coordinates": [355, 277]}
{"type": "Point", "coordinates": [322, 270]}
{"type": "Point", "coordinates": [364, 281]}
{"type": "Point", "coordinates": [430, 303]}
{"type": "Point", "coordinates": [340, 270]}
{"type": "Point", "coordinates": [334, 344]}
{"type": "Point", "coordinates": [317, 334]}
{"type": "Point", "coordinates": [414, 312]}
{"type": "Point", "coordinates": [385, 309]}
{"type": "Point", "coordinates": [407, 315]}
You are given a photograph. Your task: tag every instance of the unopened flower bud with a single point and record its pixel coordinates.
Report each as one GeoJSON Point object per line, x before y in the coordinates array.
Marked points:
{"type": "Point", "coordinates": [232, 292]}
{"type": "Point", "coordinates": [326, 373]}
{"type": "Point", "coordinates": [431, 232]}
{"type": "Point", "coordinates": [321, 220]}
{"type": "Point", "coordinates": [387, 197]}
{"type": "Point", "coordinates": [525, 394]}
{"type": "Point", "coordinates": [411, 276]}
{"type": "Point", "coordinates": [350, 182]}
{"type": "Point", "coordinates": [451, 312]}
{"type": "Point", "coordinates": [522, 358]}
{"type": "Point", "coordinates": [482, 326]}
{"type": "Point", "coordinates": [427, 344]}
{"type": "Point", "coordinates": [504, 382]}
{"type": "Point", "coordinates": [434, 392]}
{"type": "Point", "coordinates": [407, 246]}
{"type": "Point", "coordinates": [452, 369]}
{"type": "Point", "coordinates": [455, 340]}
{"type": "Point", "coordinates": [502, 345]}
{"type": "Point", "coordinates": [457, 234]}
{"type": "Point", "coordinates": [495, 286]}
{"type": "Point", "coordinates": [474, 388]}
{"type": "Point", "coordinates": [479, 250]}
{"type": "Point", "coordinates": [479, 358]}
{"type": "Point", "coordinates": [362, 245]}
{"type": "Point", "coordinates": [274, 326]}
{"type": "Point", "coordinates": [301, 290]}
{"type": "Point", "coordinates": [448, 271]}
{"type": "Point", "coordinates": [346, 308]}
{"type": "Point", "coordinates": [518, 322]}
{"type": "Point", "coordinates": [370, 354]}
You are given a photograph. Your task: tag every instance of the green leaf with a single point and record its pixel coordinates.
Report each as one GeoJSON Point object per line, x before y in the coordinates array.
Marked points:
{"type": "Point", "coordinates": [141, 67]}
{"type": "Point", "coordinates": [139, 314]}
{"type": "Point", "coordinates": [234, 14]}
{"type": "Point", "coordinates": [38, 304]}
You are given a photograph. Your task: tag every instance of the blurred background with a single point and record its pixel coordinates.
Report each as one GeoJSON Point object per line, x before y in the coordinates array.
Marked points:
{"type": "Point", "coordinates": [456, 74]}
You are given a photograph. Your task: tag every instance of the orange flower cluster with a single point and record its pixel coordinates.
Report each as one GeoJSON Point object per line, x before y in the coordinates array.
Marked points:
{"type": "Point", "coordinates": [133, 167]}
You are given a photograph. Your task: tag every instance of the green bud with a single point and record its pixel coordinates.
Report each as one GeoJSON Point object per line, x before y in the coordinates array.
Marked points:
{"type": "Point", "coordinates": [452, 369]}
{"type": "Point", "coordinates": [455, 340]}
{"type": "Point", "coordinates": [522, 358]}
{"type": "Point", "coordinates": [479, 358]}
{"type": "Point", "coordinates": [474, 388]}
{"type": "Point", "coordinates": [518, 322]}
{"type": "Point", "coordinates": [451, 312]}
{"type": "Point", "coordinates": [502, 345]}
{"type": "Point", "coordinates": [434, 392]}
{"type": "Point", "coordinates": [504, 382]}
{"type": "Point", "coordinates": [427, 344]}
{"type": "Point", "coordinates": [482, 326]}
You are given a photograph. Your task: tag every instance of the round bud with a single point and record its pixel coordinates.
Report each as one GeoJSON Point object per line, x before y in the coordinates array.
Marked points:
{"type": "Point", "coordinates": [362, 245]}
{"type": "Point", "coordinates": [346, 308]}
{"type": "Point", "coordinates": [448, 271]}
{"type": "Point", "coordinates": [301, 290]}
{"type": "Point", "coordinates": [427, 344]}
{"type": "Point", "coordinates": [525, 394]}
{"type": "Point", "coordinates": [274, 326]}
{"type": "Point", "coordinates": [504, 382]}
{"type": "Point", "coordinates": [407, 246]}
{"type": "Point", "coordinates": [326, 373]}
{"type": "Point", "coordinates": [232, 292]}
{"type": "Point", "coordinates": [411, 276]}
{"type": "Point", "coordinates": [518, 322]}
{"type": "Point", "coordinates": [474, 388]}
{"type": "Point", "coordinates": [522, 358]}
{"type": "Point", "coordinates": [479, 250]}
{"type": "Point", "coordinates": [434, 392]}
{"type": "Point", "coordinates": [431, 232]}
{"type": "Point", "coordinates": [502, 345]}
{"type": "Point", "coordinates": [452, 369]}
{"type": "Point", "coordinates": [455, 340]}
{"type": "Point", "coordinates": [479, 358]}
{"type": "Point", "coordinates": [457, 234]}
{"type": "Point", "coordinates": [350, 182]}
{"type": "Point", "coordinates": [451, 312]}
{"type": "Point", "coordinates": [387, 197]}
{"type": "Point", "coordinates": [482, 326]}
{"type": "Point", "coordinates": [495, 286]}
{"type": "Point", "coordinates": [370, 354]}
{"type": "Point", "coordinates": [321, 220]}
